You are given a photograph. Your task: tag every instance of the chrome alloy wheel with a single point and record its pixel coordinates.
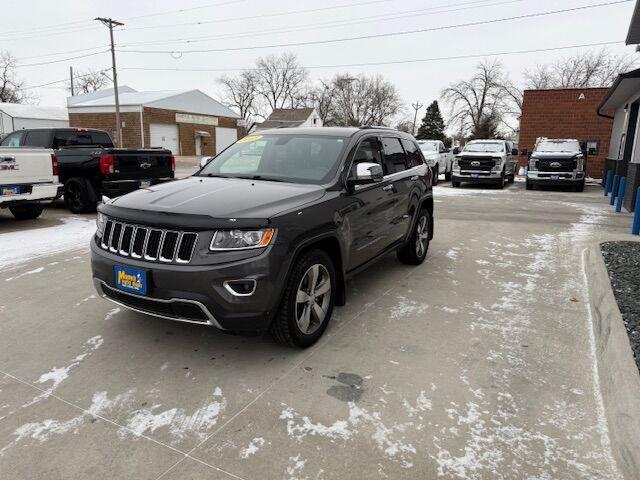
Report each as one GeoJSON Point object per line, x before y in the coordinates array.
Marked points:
{"type": "Point", "coordinates": [313, 298]}
{"type": "Point", "coordinates": [422, 236]}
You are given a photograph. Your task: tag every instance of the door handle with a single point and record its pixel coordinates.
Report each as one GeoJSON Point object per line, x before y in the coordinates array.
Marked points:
{"type": "Point", "coordinates": [388, 188]}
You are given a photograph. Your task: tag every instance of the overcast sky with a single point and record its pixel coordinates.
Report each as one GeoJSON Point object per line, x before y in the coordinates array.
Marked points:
{"type": "Point", "coordinates": [31, 29]}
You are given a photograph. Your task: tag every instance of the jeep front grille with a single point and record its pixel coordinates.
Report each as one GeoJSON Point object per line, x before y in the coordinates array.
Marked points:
{"type": "Point", "coordinates": [153, 244]}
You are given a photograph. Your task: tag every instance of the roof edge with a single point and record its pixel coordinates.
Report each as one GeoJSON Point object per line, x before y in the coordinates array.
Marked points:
{"type": "Point", "coordinates": [623, 76]}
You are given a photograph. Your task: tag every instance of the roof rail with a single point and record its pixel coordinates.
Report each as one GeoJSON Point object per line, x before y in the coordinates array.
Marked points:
{"type": "Point", "coordinates": [375, 127]}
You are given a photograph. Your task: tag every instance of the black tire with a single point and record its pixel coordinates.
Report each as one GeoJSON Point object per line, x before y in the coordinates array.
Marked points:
{"type": "Point", "coordinates": [79, 196]}
{"type": "Point", "coordinates": [529, 185]}
{"type": "Point", "coordinates": [455, 184]}
{"type": "Point", "coordinates": [580, 187]}
{"type": "Point", "coordinates": [411, 253]}
{"type": "Point", "coordinates": [436, 175]}
{"type": "Point", "coordinates": [448, 175]}
{"type": "Point", "coordinates": [285, 328]}
{"type": "Point", "coordinates": [27, 212]}
{"type": "Point", "coordinates": [503, 181]}
{"type": "Point", "coordinates": [512, 178]}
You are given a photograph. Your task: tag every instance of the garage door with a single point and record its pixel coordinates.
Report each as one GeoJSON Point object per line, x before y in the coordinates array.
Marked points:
{"type": "Point", "coordinates": [164, 136]}
{"type": "Point", "coordinates": [225, 137]}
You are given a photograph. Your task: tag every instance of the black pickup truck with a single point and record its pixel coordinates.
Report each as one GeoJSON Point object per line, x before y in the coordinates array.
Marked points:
{"type": "Point", "coordinates": [90, 166]}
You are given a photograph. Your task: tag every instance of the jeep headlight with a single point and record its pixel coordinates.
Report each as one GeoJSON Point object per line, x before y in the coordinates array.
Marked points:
{"type": "Point", "coordinates": [241, 239]}
{"type": "Point", "coordinates": [100, 223]}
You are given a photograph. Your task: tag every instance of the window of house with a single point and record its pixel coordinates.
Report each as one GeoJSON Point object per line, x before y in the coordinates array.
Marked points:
{"type": "Point", "coordinates": [394, 157]}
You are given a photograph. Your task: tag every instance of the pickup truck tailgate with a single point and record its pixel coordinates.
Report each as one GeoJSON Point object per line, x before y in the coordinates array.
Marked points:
{"type": "Point", "coordinates": [142, 164]}
{"type": "Point", "coordinates": [20, 166]}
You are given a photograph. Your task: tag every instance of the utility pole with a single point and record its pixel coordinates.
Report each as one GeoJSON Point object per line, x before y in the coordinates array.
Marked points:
{"type": "Point", "coordinates": [416, 106]}
{"type": "Point", "coordinates": [110, 23]}
{"type": "Point", "coordinates": [71, 78]}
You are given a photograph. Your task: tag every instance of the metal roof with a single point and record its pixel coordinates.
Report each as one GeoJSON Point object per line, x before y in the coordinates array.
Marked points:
{"type": "Point", "coordinates": [19, 110]}
{"type": "Point", "coordinates": [189, 101]}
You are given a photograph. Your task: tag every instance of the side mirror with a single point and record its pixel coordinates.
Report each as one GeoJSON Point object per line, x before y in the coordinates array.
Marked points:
{"type": "Point", "coordinates": [456, 151]}
{"type": "Point", "coordinates": [204, 161]}
{"type": "Point", "coordinates": [367, 173]}
{"type": "Point", "coordinates": [514, 151]}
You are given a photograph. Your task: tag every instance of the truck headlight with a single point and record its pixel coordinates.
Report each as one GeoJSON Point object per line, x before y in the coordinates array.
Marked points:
{"type": "Point", "coordinates": [456, 165]}
{"type": "Point", "coordinates": [100, 222]}
{"type": "Point", "coordinates": [580, 163]}
{"type": "Point", "coordinates": [241, 239]}
{"type": "Point", "coordinates": [497, 167]}
{"type": "Point", "coordinates": [533, 164]}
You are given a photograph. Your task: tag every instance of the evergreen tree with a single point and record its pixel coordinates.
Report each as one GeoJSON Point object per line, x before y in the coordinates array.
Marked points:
{"type": "Point", "coordinates": [432, 127]}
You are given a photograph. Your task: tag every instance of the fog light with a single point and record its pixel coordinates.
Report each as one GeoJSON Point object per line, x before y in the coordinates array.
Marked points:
{"type": "Point", "coordinates": [240, 288]}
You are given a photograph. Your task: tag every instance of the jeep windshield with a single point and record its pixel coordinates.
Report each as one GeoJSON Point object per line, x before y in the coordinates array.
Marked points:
{"type": "Point", "coordinates": [550, 146]}
{"type": "Point", "coordinates": [484, 147]}
{"type": "Point", "coordinates": [307, 159]}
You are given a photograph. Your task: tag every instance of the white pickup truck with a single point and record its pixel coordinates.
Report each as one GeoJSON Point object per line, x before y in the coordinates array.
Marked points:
{"type": "Point", "coordinates": [439, 158]}
{"type": "Point", "coordinates": [28, 180]}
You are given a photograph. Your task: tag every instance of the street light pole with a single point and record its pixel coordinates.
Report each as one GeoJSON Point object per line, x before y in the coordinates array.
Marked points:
{"type": "Point", "coordinates": [110, 23]}
{"type": "Point", "coordinates": [416, 106]}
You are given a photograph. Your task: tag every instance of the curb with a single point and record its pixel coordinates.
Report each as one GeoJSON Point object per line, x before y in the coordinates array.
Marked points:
{"type": "Point", "coordinates": [619, 378]}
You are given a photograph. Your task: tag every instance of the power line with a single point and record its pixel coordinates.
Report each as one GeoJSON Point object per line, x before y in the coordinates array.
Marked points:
{"type": "Point", "coordinates": [354, 21]}
{"type": "Point", "coordinates": [392, 62]}
{"type": "Point", "coordinates": [63, 53]}
{"type": "Point", "coordinates": [383, 35]}
{"type": "Point", "coordinates": [265, 15]}
{"type": "Point", "coordinates": [182, 10]}
{"type": "Point", "coordinates": [30, 87]}
{"type": "Point", "coordinates": [60, 60]}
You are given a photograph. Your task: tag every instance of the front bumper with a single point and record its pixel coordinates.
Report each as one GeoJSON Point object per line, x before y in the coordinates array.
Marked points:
{"type": "Point", "coordinates": [116, 188]}
{"type": "Point", "coordinates": [553, 178]}
{"type": "Point", "coordinates": [197, 293]}
{"type": "Point", "coordinates": [40, 193]}
{"type": "Point", "coordinates": [479, 176]}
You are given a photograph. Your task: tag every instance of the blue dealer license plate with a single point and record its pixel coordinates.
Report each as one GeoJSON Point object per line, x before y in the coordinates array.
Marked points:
{"type": "Point", "coordinates": [146, 183]}
{"type": "Point", "coordinates": [8, 190]}
{"type": "Point", "coordinates": [475, 175]}
{"type": "Point", "coordinates": [130, 280]}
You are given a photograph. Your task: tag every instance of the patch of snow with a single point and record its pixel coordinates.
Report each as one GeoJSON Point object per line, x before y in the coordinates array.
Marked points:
{"type": "Point", "coordinates": [30, 272]}
{"type": "Point", "coordinates": [296, 464]}
{"type": "Point", "coordinates": [252, 448]}
{"type": "Point", "coordinates": [85, 300]}
{"type": "Point", "coordinates": [112, 313]}
{"type": "Point", "coordinates": [26, 245]}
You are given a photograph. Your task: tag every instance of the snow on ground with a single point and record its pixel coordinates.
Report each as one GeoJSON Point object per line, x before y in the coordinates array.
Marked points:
{"type": "Point", "coordinates": [25, 245]}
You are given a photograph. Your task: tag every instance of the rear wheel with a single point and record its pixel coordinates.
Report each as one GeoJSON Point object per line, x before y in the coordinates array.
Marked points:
{"type": "Point", "coordinates": [447, 174]}
{"type": "Point", "coordinates": [27, 212]}
{"type": "Point", "coordinates": [79, 196]}
{"type": "Point", "coordinates": [415, 250]}
{"type": "Point", "coordinates": [308, 301]}
{"type": "Point", "coordinates": [455, 184]}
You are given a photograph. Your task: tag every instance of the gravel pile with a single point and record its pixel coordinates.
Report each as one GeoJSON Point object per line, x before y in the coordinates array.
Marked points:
{"type": "Point", "coordinates": [623, 262]}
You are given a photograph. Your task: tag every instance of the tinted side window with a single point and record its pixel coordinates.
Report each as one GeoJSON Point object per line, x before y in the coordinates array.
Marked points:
{"type": "Point", "coordinates": [394, 158]}
{"type": "Point", "coordinates": [37, 138]}
{"type": "Point", "coordinates": [68, 138]}
{"type": "Point", "coordinates": [413, 155]}
{"type": "Point", "coordinates": [368, 152]}
{"type": "Point", "coordinates": [13, 139]}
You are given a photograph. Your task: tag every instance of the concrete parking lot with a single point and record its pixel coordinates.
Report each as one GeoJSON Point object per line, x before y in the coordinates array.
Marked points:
{"type": "Point", "coordinates": [477, 364]}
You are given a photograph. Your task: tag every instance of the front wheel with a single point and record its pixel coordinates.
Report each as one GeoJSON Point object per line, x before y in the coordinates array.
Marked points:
{"type": "Point", "coordinates": [27, 212]}
{"type": "Point", "coordinates": [448, 175]}
{"type": "Point", "coordinates": [415, 250]}
{"type": "Point", "coordinates": [436, 175]}
{"type": "Point", "coordinates": [580, 187]}
{"type": "Point", "coordinates": [308, 301]}
{"type": "Point", "coordinates": [455, 184]}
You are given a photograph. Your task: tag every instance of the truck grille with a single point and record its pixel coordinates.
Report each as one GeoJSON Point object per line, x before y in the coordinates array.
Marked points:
{"type": "Point", "coordinates": [482, 165]}
{"type": "Point", "coordinates": [148, 243]}
{"type": "Point", "coordinates": [560, 165]}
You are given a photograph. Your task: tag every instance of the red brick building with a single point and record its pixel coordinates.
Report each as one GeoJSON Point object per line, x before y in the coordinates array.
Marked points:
{"type": "Point", "coordinates": [566, 113]}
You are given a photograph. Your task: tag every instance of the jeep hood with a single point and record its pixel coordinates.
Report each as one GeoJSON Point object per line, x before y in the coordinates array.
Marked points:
{"type": "Point", "coordinates": [215, 198]}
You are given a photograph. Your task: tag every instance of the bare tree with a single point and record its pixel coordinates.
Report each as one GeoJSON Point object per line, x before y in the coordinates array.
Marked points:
{"type": "Point", "coordinates": [281, 81]}
{"type": "Point", "coordinates": [240, 93]}
{"type": "Point", "coordinates": [322, 98]}
{"type": "Point", "coordinates": [89, 81]}
{"type": "Point", "coordinates": [484, 102]}
{"type": "Point", "coordinates": [11, 88]}
{"type": "Point", "coordinates": [595, 68]}
{"type": "Point", "coordinates": [363, 100]}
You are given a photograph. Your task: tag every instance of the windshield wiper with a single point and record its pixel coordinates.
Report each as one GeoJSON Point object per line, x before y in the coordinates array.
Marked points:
{"type": "Point", "coordinates": [211, 175]}
{"type": "Point", "coordinates": [259, 177]}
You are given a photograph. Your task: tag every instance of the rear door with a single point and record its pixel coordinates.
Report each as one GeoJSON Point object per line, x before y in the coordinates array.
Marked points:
{"type": "Point", "coordinates": [397, 174]}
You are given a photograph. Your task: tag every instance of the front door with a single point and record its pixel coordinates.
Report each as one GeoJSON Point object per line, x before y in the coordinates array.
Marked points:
{"type": "Point", "coordinates": [369, 209]}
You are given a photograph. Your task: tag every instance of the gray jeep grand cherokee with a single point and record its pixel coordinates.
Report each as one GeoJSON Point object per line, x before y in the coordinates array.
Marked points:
{"type": "Point", "coordinates": [264, 235]}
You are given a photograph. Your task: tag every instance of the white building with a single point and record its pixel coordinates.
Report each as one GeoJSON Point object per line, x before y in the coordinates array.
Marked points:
{"type": "Point", "coordinates": [17, 116]}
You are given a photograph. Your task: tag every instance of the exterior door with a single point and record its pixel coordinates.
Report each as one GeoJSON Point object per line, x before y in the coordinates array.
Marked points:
{"type": "Point", "coordinates": [198, 145]}
{"type": "Point", "coordinates": [369, 210]}
{"type": "Point", "coordinates": [164, 135]}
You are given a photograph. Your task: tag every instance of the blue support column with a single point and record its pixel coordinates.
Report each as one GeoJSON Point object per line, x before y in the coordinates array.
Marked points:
{"type": "Point", "coordinates": [636, 216]}
{"type": "Point", "coordinates": [607, 183]}
{"type": "Point", "coordinates": [621, 192]}
{"type": "Point", "coordinates": [614, 190]}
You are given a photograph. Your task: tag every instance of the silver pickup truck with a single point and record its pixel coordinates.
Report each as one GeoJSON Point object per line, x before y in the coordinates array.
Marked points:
{"type": "Point", "coordinates": [557, 162]}
{"type": "Point", "coordinates": [28, 180]}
